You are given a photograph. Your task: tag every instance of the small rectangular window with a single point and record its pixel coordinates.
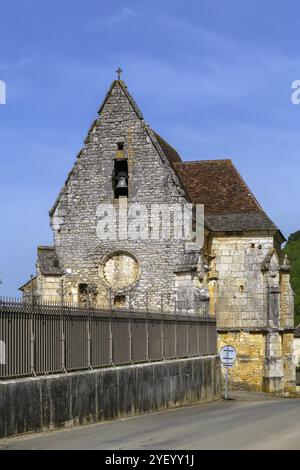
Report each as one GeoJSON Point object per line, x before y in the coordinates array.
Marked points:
{"type": "Point", "coordinates": [83, 295]}
{"type": "Point", "coordinates": [120, 301]}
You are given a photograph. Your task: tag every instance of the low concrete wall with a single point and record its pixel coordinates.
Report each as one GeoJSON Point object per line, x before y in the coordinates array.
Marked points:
{"type": "Point", "coordinates": [41, 403]}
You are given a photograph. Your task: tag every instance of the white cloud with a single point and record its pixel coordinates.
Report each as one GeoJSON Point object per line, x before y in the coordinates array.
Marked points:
{"type": "Point", "coordinates": [123, 15]}
{"type": "Point", "coordinates": [19, 64]}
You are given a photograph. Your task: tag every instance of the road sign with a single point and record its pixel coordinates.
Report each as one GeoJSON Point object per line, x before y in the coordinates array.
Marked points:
{"type": "Point", "coordinates": [227, 356]}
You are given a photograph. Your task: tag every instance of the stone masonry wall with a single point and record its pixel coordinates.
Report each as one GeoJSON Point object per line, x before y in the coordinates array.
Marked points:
{"type": "Point", "coordinates": [242, 294]}
{"type": "Point", "coordinates": [286, 301]}
{"type": "Point", "coordinates": [48, 288]}
{"type": "Point", "coordinates": [289, 361]}
{"type": "Point", "coordinates": [255, 312]}
{"type": "Point", "coordinates": [249, 367]}
{"type": "Point", "coordinates": [151, 180]}
{"type": "Point", "coordinates": [297, 351]}
{"type": "Point", "coordinates": [43, 403]}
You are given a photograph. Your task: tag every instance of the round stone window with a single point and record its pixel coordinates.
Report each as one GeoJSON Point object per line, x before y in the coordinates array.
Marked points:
{"type": "Point", "coordinates": [120, 270]}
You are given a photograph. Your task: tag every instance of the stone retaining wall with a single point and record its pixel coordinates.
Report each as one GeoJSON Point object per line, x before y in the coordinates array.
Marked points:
{"type": "Point", "coordinates": [48, 402]}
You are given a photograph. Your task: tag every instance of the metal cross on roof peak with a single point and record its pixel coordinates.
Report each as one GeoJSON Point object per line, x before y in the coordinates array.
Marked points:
{"type": "Point", "coordinates": [119, 71]}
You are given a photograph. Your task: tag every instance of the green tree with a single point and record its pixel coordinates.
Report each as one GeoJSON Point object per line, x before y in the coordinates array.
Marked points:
{"type": "Point", "coordinates": [292, 249]}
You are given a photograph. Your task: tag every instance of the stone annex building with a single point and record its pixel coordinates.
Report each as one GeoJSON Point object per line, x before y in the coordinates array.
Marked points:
{"type": "Point", "coordinates": [240, 271]}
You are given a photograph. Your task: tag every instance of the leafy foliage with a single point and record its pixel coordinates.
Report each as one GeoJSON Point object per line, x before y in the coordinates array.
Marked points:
{"type": "Point", "coordinates": [292, 249]}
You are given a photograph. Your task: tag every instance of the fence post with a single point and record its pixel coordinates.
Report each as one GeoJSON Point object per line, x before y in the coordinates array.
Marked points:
{"type": "Point", "coordinates": [89, 341]}
{"type": "Point", "coordinates": [147, 325]}
{"type": "Point", "coordinates": [187, 330]}
{"type": "Point", "coordinates": [110, 328]}
{"type": "Point", "coordinates": [111, 341]}
{"type": "Point", "coordinates": [198, 337]}
{"type": "Point", "coordinates": [188, 339]}
{"type": "Point", "coordinates": [147, 338]}
{"type": "Point", "coordinates": [162, 325]}
{"type": "Point", "coordinates": [175, 330]}
{"type": "Point", "coordinates": [32, 345]}
{"type": "Point", "coordinates": [63, 343]}
{"type": "Point", "coordinates": [207, 338]}
{"type": "Point", "coordinates": [162, 338]}
{"type": "Point", "coordinates": [130, 339]}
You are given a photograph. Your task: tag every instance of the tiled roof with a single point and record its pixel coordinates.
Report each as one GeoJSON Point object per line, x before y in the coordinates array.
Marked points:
{"type": "Point", "coordinates": [228, 202]}
{"type": "Point", "coordinates": [217, 185]}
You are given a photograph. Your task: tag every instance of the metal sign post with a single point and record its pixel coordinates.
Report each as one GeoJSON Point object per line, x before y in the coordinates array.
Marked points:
{"type": "Point", "coordinates": [226, 383]}
{"type": "Point", "coordinates": [228, 357]}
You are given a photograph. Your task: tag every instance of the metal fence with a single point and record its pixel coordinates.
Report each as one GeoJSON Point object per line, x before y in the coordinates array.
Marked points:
{"type": "Point", "coordinates": [44, 339]}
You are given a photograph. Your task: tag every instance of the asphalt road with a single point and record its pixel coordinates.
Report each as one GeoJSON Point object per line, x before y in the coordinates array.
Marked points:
{"type": "Point", "coordinates": [251, 421]}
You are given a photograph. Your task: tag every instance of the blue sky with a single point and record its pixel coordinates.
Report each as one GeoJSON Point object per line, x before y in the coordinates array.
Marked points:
{"type": "Point", "coordinates": [213, 77]}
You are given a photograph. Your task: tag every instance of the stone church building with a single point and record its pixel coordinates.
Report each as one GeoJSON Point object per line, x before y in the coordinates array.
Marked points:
{"type": "Point", "coordinates": [240, 272]}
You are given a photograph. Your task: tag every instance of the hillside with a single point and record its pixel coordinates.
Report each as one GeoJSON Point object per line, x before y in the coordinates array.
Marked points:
{"type": "Point", "coordinates": [292, 249]}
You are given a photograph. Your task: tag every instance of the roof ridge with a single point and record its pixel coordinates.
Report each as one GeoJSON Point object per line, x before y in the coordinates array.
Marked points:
{"type": "Point", "coordinates": [249, 190]}
{"type": "Point", "coordinates": [130, 99]}
{"type": "Point", "coordinates": [228, 160]}
{"type": "Point", "coordinates": [166, 146]}
{"type": "Point", "coordinates": [161, 151]}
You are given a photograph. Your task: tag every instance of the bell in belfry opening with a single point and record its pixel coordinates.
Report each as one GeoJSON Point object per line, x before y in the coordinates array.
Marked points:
{"type": "Point", "coordinates": [122, 180]}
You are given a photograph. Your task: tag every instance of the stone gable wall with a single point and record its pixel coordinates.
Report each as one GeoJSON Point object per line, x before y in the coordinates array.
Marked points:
{"type": "Point", "coordinates": [151, 180]}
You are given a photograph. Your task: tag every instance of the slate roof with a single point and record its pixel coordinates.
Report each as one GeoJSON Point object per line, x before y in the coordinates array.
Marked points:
{"type": "Point", "coordinates": [48, 261]}
{"type": "Point", "coordinates": [251, 221]}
